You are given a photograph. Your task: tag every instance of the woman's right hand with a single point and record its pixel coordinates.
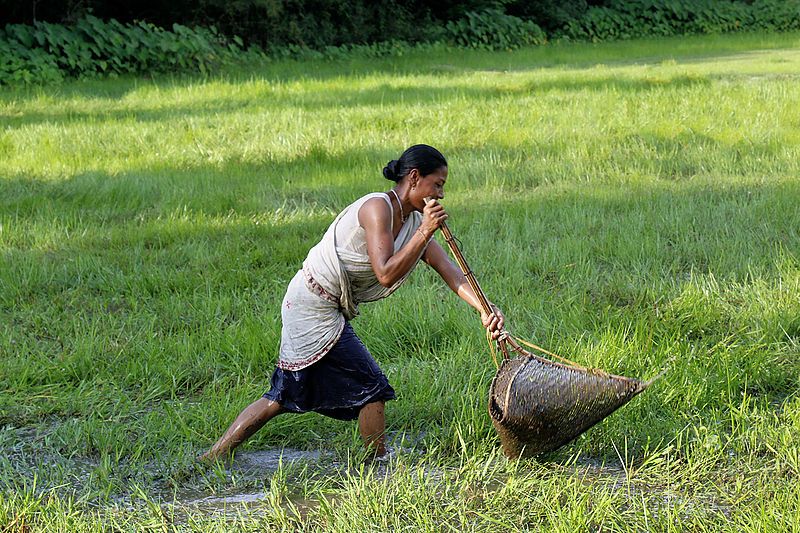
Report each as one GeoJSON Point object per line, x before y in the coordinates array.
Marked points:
{"type": "Point", "coordinates": [433, 215]}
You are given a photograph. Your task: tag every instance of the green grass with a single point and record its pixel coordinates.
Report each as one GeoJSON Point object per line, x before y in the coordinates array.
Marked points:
{"type": "Point", "coordinates": [632, 206]}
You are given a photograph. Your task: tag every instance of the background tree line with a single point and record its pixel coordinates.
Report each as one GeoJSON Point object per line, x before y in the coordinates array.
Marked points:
{"type": "Point", "coordinates": [44, 41]}
{"type": "Point", "coordinates": [319, 23]}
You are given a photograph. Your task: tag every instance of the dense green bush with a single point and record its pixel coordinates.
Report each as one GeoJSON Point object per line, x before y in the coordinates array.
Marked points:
{"type": "Point", "coordinates": [316, 23]}
{"type": "Point", "coordinates": [19, 63]}
{"type": "Point", "coordinates": [776, 15]}
{"type": "Point", "coordinates": [492, 29]}
{"type": "Point", "coordinates": [550, 15]}
{"type": "Point", "coordinates": [625, 19]}
{"type": "Point", "coordinates": [45, 52]}
{"type": "Point", "coordinates": [309, 23]}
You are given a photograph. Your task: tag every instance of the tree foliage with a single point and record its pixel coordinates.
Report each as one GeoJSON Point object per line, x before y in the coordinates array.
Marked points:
{"type": "Point", "coordinates": [46, 52]}
{"type": "Point", "coordinates": [81, 38]}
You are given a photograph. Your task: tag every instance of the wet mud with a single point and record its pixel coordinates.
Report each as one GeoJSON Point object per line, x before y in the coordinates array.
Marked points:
{"type": "Point", "coordinates": [251, 495]}
{"type": "Point", "coordinates": [244, 485]}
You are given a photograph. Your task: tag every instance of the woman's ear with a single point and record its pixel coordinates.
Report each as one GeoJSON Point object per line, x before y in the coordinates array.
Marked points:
{"type": "Point", "coordinates": [413, 177]}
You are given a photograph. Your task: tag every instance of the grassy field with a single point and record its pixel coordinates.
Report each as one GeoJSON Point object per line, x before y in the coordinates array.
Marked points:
{"type": "Point", "coordinates": [632, 206]}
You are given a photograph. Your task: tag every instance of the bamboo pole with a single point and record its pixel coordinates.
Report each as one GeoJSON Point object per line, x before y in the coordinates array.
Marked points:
{"type": "Point", "coordinates": [462, 263]}
{"type": "Point", "coordinates": [452, 243]}
{"type": "Point", "coordinates": [505, 337]}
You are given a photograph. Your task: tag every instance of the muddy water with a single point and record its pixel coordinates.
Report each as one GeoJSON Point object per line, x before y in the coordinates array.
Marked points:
{"type": "Point", "coordinates": [249, 469]}
{"type": "Point", "coordinates": [242, 487]}
{"type": "Point", "coordinates": [617, 478]}
{"type": "Point", "coordinates": [240, 505]}
{"type": "Point", "coordinates": [253, 470]}
{"type": "Point", "coordinates": [268, 461]}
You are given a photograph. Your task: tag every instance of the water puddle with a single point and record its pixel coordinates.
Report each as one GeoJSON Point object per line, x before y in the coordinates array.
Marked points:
{"type": "Point", "coordinates": [243, 504]}
{"type": "Point", "coordinates": [616, 478]}
{"type": "Point", "coordinates": [252, 471]}
{"type": "Point", "coordinates": [268, 461]}
{"type": "Point", "coordinates": [220, 503]}
{"type": "Point", "coordinates": [248, 486]}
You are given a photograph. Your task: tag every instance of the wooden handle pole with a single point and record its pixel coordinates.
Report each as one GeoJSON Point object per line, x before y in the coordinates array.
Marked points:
{"type": "Point", "coordinates": [450, 239]}
{"type": "Point", "coordinates": [462, 263]}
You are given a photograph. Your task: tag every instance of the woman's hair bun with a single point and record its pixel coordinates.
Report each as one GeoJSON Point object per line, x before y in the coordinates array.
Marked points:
{"type": "Point", "coordinates": [390, 170]}
{"type": "Point", "coordinates": [424, 158]}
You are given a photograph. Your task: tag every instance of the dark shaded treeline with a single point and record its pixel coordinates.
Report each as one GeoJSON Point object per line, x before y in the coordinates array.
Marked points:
{"type": "Point", "coordinates": [308, 22]}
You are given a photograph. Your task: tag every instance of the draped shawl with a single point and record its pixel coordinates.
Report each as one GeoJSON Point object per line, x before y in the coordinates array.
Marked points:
{"type": "Point", "coordinates": [336, 277]}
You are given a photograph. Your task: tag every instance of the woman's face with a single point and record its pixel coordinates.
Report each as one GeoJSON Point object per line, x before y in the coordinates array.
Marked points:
{"type": "Point", "coordinates": [431, 185]}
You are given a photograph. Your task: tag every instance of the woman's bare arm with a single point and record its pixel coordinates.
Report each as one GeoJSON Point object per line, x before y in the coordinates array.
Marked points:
{"type": "Point", "coordinates": [375, 217]}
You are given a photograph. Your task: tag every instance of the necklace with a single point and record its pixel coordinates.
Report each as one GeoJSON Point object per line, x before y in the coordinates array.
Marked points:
{"type": "Point", "coordinates": [402, 214]}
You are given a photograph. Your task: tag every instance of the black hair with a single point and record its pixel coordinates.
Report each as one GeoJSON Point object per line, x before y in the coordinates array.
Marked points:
{"type": "Point", "coordinates": [426, 159]}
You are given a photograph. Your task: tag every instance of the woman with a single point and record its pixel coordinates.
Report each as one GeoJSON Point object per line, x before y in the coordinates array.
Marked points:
{"type": "Point", "coordinates": [365, 255]}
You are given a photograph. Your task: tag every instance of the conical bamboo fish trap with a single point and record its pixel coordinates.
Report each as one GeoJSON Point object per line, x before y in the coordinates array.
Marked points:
{"type": "Point", "coordinates": [538, 405]}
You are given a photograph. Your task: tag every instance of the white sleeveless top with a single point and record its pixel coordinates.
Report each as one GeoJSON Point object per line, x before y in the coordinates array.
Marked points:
{"type": "Point", "coordinates": [336, 276]}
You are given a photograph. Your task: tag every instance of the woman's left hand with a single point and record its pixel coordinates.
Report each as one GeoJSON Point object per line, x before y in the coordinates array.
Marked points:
{"type": "Point", "coordinates": [494, 321]}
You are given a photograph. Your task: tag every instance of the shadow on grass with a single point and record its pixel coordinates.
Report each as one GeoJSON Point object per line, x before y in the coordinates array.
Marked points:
{"type": "Point", "coordinates": [322, 182]}
{"type": "Point", "coordinates": [316, 180]}
{"type": "Point", "coordinates": [579, 56]}
{"type": "Point", "coordinates": [201, 222]}
{"type": "Point", "coordinates": [571, 258]}
{"type": "Point", "coordinates": [331, 98]}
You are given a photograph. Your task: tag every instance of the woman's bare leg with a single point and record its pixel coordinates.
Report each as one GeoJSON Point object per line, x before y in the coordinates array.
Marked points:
{"type": "Point", "coordinates": [248, 422]}
{"type": "Point", "coordinates": [372, 426]}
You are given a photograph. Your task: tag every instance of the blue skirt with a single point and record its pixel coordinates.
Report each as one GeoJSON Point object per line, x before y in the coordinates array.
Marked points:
{"type": "Point", "coordinates": [338, 385]}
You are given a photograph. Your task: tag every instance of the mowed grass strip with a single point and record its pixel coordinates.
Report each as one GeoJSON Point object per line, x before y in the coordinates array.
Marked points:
{"type": "Point", "coordinates": [631, 206]}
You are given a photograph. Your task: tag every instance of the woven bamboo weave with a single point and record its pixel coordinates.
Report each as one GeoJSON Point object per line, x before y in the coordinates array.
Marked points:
{"type": "Point", "coordinates": [538, 405]}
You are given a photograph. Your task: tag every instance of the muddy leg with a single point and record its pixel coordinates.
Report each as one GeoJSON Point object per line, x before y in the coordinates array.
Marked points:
{"type": "Point", "coordinates": [372, 426]}
{"type": "Point", "coordinates": [248, 422]}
